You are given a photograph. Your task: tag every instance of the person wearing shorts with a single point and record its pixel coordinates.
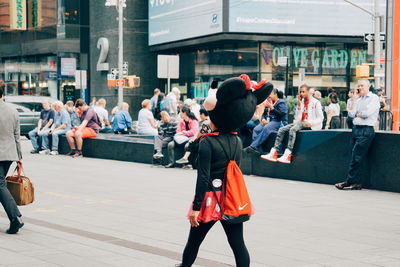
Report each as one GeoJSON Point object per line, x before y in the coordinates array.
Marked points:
{"type": "Point", "coordinates": [89, 128]}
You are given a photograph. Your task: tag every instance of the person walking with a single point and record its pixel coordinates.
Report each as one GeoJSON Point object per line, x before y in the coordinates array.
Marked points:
{"type": "Point", "coordinates": [154, 100]}
{"type": "Point", "coordinates": [235, 106]}
{"type": "Point", "coordinates": [10, 150]}
{"type": "Point", "coordinates": [365, 112]}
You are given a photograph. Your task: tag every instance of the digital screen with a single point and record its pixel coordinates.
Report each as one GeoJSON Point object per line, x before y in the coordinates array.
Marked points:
{"type": "Point", "coordinates": [172, 20]}
{"type": "Point", "coordinates": [312, 17]}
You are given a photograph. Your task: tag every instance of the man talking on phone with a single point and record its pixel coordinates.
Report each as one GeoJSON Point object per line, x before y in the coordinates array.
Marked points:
{"type": "Point", "coordinates": [365, 112]}
{"type": "Point", "coordinates": [10, 150]}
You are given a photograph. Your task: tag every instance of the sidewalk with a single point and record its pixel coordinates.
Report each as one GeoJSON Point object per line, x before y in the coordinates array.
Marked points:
{"type": "Point", "coordinates": [91, 212]}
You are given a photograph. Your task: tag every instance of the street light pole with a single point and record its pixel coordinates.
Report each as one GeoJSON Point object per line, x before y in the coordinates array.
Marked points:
{"type": "Point", "coordinates": [121, 5]}
{"type": "Point", "coordinates": [377, 45]}
{"type": "Point", "coordinates": [377, 40]}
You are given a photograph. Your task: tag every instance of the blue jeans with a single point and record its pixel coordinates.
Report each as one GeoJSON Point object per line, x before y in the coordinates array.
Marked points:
{"type": "Point", "coordinates": [34, 137]}
{"type": "Point", "coordinates": [261, 133]}
{"type": "Point", "coordinates": [55, 137]}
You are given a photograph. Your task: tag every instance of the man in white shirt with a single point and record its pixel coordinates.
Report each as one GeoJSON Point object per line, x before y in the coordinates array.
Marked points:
{"type": "Point", "coordinates": [173, 98]}
{"type": "Point", "coordinates": [365, 112]}
{"type": "Point", "coordinates": [308, 116]}
{"type": "Point", "coordinates": [101, 111]}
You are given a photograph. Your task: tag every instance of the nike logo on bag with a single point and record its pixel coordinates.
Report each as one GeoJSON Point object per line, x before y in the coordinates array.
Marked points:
{"type": "Point", "coordinates": [242, 207]}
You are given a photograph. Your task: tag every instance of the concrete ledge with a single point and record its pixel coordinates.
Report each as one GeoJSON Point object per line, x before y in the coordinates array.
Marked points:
{"type": "Point", "coordinates": [319, 157]}
{"type": "Point", "coordinates": [133, 148]}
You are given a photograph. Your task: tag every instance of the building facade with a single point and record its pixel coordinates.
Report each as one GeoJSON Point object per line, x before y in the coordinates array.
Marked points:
{"type": "Point", "coordinates": [42, 44]}
{"type": "Point", "coordinates": [141, 62]}
{"type": "Point", "coordinates": [286, 42]}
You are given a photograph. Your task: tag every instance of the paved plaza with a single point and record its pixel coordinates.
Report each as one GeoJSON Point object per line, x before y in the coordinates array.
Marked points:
{"type": "Point", "coordinates": [91, 212]}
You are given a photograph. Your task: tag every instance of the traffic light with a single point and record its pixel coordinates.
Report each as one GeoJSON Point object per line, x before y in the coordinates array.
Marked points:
{"type": "Point", "coordinates": [132, 81]}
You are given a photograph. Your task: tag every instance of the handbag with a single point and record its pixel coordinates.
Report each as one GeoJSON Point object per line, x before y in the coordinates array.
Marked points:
{"type": "Point", "coordinates": [180, 139]}
{"type": "Point", "coordinates": [21, 188]}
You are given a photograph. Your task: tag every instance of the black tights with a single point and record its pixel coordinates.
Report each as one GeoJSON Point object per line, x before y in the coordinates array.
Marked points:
{"type": "Point", "coordinates": [234, 232]}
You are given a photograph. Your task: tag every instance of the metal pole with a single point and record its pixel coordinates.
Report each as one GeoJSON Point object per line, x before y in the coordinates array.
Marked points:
{"type": "Point", "coordinates": [377, 44]}
{"type": "Point", "coordinates": [389, 49]}
{"type": "Point", "coordinates": [168, 78]}
{"type": "Point", "coordinates": [360, 7]}
{"type": "Point", "coordinates": [120, 49]}
{"type": "Point", "coordinates": [377, 41]}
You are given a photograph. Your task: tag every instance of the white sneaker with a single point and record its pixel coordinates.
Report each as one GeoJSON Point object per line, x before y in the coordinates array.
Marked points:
{"type": "Point", "coordinates": [158, 155]}
{"type": "Point", "coordinates": [182, 161]}
{"type": "Point", "coordinates": [271, 156]}
{"type": "Point", "coordinates": [44, 152]}
{"type": "Point", "coordinates": [286, 157]}
{"type": "Point", "coordinates": [54, 152]}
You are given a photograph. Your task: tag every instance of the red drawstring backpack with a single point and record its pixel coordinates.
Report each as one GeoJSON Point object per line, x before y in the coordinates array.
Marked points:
{"type": "Point", "coordinates": [236, 205]}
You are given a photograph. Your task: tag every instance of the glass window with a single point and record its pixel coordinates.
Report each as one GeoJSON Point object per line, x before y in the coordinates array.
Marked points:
{"type": "Point", "coordinates": [71, 11]}
{"type": "Point", "coordinates": [323, 66]}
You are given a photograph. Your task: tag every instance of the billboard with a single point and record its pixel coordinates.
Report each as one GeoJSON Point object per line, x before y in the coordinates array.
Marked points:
{"type": "Point", "coordinates": [314, 17]}
{"type": "Point", "coordinates": [18, 14]}
{"type": "Point", "coordinates": [172, 20]}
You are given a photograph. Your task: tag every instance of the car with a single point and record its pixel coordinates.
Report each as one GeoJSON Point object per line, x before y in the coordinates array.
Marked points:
{"type": "Point", "coordinates": [28, 119]}
{"type": "Point", "coordinates": [29, 108]}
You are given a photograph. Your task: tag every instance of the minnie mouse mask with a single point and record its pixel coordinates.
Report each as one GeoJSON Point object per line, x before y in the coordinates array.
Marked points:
{"type": "Point", "coordinates": [235, 102]}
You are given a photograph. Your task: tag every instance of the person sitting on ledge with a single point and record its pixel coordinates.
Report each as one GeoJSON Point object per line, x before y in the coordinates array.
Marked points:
{"type": "Point", "coordinates": [191, 152]}
{"type": "Point", "coordinates": [187, 128]}
{"type": "Point", "coordinates": [147, 125]}
{"type": "Point", "coordinates": [309, 116]}
{"type": "Point", "coordinates": [275, 115]}
{"type": "Point", "coordinates": [61, 125]}
{"type": "Point", "coordinates": [166, 135]}
{"type": "Point", "coordinates": [122, 120]}
{"type": "Point", "coordinates": [333, 112]}
{"type": "Point", "coordinates": [89, 128]}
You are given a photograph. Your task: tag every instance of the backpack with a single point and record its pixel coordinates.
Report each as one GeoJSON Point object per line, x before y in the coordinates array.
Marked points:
{"type": "Point", "coordinates": [236, 206]}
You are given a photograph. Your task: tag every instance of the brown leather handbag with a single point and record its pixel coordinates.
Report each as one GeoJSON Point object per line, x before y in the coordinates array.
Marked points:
{"type": "Point", "coordinates": [21, 188]}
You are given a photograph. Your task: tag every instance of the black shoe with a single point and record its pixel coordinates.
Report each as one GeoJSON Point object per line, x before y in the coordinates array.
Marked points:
{"type": "Point", "coordinates": [250, 149]}
{"type": "Point", "coordinates": [15, 225]}
{"type": "Point", "coordinates": [342, 185]}
{"type": "Point", "coordinates": [353, 187]}
{"type": "Point", "coordinates": [35, 151]}
{"type": "Point", "coordinates": [170, 165]}
{"type": "Point", "coordinates": [71, 152]}
{"type": "Point", "coordinates": [77, 154]}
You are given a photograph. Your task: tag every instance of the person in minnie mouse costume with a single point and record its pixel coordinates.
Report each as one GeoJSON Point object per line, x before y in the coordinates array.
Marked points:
{"type": "Point", "coordinates": [230, 107]}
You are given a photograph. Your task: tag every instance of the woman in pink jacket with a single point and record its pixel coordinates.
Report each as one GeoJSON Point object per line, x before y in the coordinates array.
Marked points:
{"type": "Point", "coordinates": [187, 129]}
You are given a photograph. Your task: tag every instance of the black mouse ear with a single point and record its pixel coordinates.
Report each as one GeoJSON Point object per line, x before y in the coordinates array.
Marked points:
{"type": "Point", "coordinates": [263, 90]}
{"type": "Point", "coordinates": [230, 90]}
